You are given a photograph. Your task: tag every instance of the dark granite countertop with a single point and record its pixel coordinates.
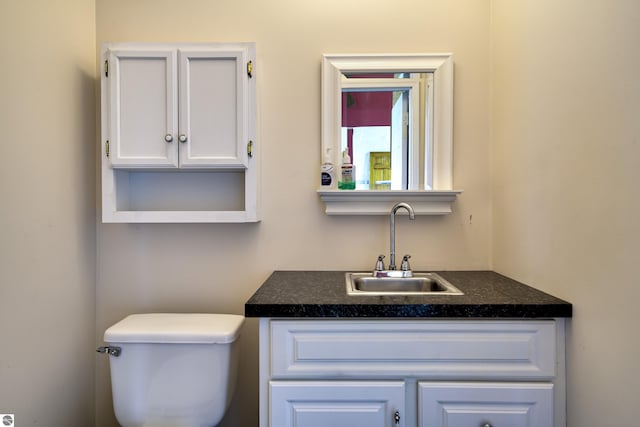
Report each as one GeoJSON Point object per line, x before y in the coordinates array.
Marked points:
{"type": "Point", "coordinates": [323, 294]}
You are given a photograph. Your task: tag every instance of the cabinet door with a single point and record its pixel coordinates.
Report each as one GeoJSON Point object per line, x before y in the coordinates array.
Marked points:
{"type": "Point", "coordinates": [485, 404]}
{"type": "Point", "coordinates": [336, 403]}
{"type": "Point", "coordinates": [142, 87]}
{"type": "Point", "coordinates": [213, 108]}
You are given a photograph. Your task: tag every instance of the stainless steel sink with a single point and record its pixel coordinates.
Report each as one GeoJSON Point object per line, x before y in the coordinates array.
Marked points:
{"type": "Point", "coordinates": [417, 284]}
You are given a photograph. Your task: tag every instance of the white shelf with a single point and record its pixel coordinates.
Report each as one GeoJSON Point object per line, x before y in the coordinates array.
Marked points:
{"type": "Point", "coordinates": [380, 202]}
{"type": "Point", "coordinates": [181, 216]}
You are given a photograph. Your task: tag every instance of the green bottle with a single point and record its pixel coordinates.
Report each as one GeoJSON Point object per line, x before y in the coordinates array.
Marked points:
{"type": "Point", "coordinates": [348, 172]}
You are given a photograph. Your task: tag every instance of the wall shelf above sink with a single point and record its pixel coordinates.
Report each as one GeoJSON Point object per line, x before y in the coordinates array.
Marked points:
{"type": "Point", "coordinates": [371, 202]}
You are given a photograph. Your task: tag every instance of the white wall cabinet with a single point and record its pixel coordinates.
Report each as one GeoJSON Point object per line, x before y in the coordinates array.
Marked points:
{"type": "Point", "coordinates": [426, 373]}
{"type": "Point", "coordinates": [178, 133]}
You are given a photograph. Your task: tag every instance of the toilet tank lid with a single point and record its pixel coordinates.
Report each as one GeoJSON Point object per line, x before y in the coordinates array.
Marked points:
{"type": "Point", "coordinates": [176, 328]}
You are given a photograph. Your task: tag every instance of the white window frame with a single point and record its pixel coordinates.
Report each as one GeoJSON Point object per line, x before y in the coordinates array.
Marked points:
{"type": "Point", "coordinates": [436, 194]}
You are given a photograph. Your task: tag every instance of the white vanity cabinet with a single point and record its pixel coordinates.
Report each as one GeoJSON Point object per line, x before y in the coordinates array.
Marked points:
{"type": "Point", "coordinates": [412, 373]}
{"type": "Point", "coordinates": [178, 132]}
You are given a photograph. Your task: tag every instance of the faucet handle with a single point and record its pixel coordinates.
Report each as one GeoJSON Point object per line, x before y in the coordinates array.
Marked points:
{"type": "Point", "coordinates": [405, 263]}
{"type": "Point", "coordinates": [380, 263]}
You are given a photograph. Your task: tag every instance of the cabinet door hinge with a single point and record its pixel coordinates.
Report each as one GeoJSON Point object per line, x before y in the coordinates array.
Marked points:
{"type": "Point", "coordinates": [106, 148]}
{"type": "Point", "coordinates": [250, 149]}
{"type": "Point", "coordinates": [106, 68]}
{"type": "Point", "coordinates": [250, 69]}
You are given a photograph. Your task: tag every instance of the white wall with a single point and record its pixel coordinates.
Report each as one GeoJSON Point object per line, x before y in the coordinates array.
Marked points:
{"type": "Point", "coordinates": [217, 267]}
{"type": "Point", "coordinates": [47, 211]}
{"type": "Point", "coordinates": [566, 170]}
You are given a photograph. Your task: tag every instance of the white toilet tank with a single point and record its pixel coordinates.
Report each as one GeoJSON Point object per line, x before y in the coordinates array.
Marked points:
{"type": "Point", "coordinates": [175, 370]}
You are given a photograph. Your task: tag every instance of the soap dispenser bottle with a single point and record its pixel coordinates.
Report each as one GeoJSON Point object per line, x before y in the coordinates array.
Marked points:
{"type": "Point", "coordinates": [327, 172]}
{"type": "Point", "coordinates": [347, 173]}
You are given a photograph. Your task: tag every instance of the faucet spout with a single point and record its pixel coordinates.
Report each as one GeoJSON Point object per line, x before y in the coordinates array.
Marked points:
{"type": "Point", "coordinates": [392, 229]}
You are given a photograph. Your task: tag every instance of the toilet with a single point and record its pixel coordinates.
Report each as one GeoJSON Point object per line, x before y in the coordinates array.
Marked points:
{"type": "Point", "coordinates": [172, 370]}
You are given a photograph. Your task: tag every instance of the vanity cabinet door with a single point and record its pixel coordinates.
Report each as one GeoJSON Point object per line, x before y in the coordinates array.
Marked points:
{"type": "Point", "coordinates": [454, 404]}
{"type": "Point", "coordinates": [336, 403]}
{"type": "Point", "coordinates": [142, 107]}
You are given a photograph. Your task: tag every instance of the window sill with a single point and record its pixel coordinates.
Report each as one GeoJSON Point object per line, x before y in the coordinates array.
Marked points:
{"type": "Point", "coordinates": [380, 202]}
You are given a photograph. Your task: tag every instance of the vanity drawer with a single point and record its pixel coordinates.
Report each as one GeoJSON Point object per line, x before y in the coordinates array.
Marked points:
{"type": "Point", "coordinates": [469, 349]}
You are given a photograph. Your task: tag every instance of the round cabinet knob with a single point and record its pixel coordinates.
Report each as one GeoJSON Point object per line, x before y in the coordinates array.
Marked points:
{"type": "Point", "coordinates": [168, 137]}
{"type": "Point", "coordinates": [486, 425]}
{"type": "Point", "coordinates": [182, 138]}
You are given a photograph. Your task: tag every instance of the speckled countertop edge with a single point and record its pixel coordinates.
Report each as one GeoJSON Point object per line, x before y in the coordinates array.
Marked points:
{"type": "Point", "coordinates": [487, 294]}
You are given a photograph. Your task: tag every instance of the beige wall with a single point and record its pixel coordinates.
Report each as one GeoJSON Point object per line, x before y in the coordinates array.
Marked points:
{"type": "Point", "coordinates": [566, 151]}
{"type": "Point", "coordinates": [216, 267]}
{"type": "Point", "coordinates": [546, 141]}
{"type": "Point", "coordinates": [47, 212]}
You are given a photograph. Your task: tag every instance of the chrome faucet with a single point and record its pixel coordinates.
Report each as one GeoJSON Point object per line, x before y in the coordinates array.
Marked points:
{"type": "Point", "coordinates": [392, 260]}
{"type": "Point", "coordinates": [405, 263]}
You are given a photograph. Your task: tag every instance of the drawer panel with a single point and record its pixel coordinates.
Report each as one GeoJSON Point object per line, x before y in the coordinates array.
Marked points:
{"type": "Point", "coordinates": [428, 349]}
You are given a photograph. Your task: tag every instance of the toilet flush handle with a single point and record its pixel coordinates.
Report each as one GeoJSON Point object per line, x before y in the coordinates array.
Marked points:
{"type": "Point", "coordinates": [110, 350]}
